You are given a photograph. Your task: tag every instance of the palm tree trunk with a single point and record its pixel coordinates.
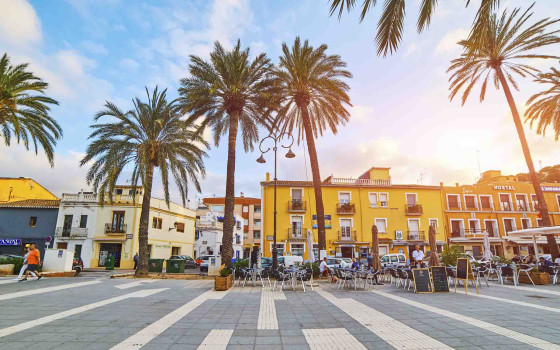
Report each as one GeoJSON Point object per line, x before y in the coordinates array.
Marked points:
{"type": "Point", "coordinates": [142, 268]}
{"type": "Point", "coordinates": [322, 241]}
{"type": "Point", "coordinates": [551, 240]}
{"type": "Point", "coordinates": [227, 240]}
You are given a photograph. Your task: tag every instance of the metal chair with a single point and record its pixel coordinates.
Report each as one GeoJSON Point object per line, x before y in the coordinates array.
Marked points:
{"type": "Point", "coordinates": [450, 274]}
{"type": "Point", "coordinates": [507, 271]}
{"type": "Point", "coordinates": [280, 276]}
{"type": "Point", "coordinates": [525, 269]}
{"type": "Point", "coordinates": [306, 276]}
{"type": "Point", "coordinates": [481, 273]}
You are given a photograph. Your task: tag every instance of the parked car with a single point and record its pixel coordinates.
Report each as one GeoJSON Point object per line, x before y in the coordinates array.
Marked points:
{"type": "Point", "coordinates": [339, 262]}
{"type": "Point", "coordinates": [266, 262]}
{"type": "Point", "coordinates": [289, 260]}
{"type": "Point", "coordinates": [393, 260]}
{"type": "Point", "coordinates": [189, 262]}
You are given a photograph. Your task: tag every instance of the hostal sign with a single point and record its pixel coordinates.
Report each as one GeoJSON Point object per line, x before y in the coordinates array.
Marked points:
{"type": "Point", "coordinates": [504, 188]}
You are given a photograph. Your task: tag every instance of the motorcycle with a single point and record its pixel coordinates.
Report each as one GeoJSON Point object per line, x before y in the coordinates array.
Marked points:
{"type": "Point", "coordinates": [77, 266]}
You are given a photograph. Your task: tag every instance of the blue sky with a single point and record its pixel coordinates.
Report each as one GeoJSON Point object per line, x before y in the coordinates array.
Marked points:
{"type": "Point", "coordinates": [93, 51]}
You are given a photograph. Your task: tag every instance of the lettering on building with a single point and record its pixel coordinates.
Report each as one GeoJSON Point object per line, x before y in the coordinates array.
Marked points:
{"type": "Point", "coordinates": [551, 188]}
{"type": "Point", "coordinates": [504, 188]}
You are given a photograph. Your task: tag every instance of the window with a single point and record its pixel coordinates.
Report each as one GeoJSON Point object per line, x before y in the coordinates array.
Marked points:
{"type": "Point", "coordinates": [83, 221]}
{"type": "Point", "coordinates": [67, 225]}
{"type": "Point", "coordinates": [346, 229]}
{"type": "Point", "coordinates": [434, 224]}
{"type": "Point", "coordinates": [344, 197]}
{"type": "Point", "coordinates": [217, 208]}
{"type": "Point", "coordinates": [238, 225]}
{"type": "Point", "coordinates": [297, 249]}
{"type": "Point", "coordinates": [117, 225]}
{"type": "Point", "coordinates": [175, 250]}
{"type": "Point", "coordinates": [61, 245]}
{"type": "Point", "coordinates": [486, 202]}
{"type": "Point", "coordinates": [539, 222]}
{"type": "Point", "coordinates": [509, 225]}
{"type": "Point", "coordinates": [257, 209]}
{"type": "Point", "coordinates": [474, 226]}
{"type": "Point", "coordinates": [383, 200]}
{"type": "Point", "coordinates": [257, 222]}
{"type": "Point", "coordinates": [118, 191]}
{"type": "Point", "coordinates": [411, 199]}
{"type": "Point", "coordinates": [505, 202]}
{"type": "Point", "coordinates": [492, 228]}
{"type": "Point", "coordinates": [245, 208]}
{"type": "Point", "coordinates": [373, 200]}
{"type": "Point", "coordinates": [245, 222]}
{"type": "Point", "coordinates": [297, 194]}
{"type": "Point", "coordinates": [279, 248]}
{"type": "Point", "coordinates": [525, 223]}
{"type": "Point", "coordinates": [237, 239]}
{"type": "Point", "coordinates": [457, 228]}
{"type": "Point", "coordinates": [257, 234]}
{"type": "Point", "coordinates": [521, 201]}
{"type": "Point", "coordinates": [381, 225]}
{"type": "Point", "coordinates": [297, 226]}
{"type": "Point", "coordinates": [453, 201]}
{"type": "Point", "coordinates": [77, 251]}
{"type": "Point", "coordinates": [181, 227]}
{"type": "Point", "coordinates": [157, 223]}
{"type": "Point", "coordinates": [316, 251]}
{"type": "Point", "coordinates": [535, 202]}
{"type": "Point", "coordinates": [470, 202]}
{"type": "Point", "coordinates": [414, 227]}
{"type": "Point", "coordinates": [32, 221]}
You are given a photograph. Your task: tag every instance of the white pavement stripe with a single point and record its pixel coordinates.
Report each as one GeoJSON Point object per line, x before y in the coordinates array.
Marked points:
{"type": "Point", "coordinates": [143, 337]}
{"type": "Point", "coordinates": [395, 333]}
{"type": "Point", "coordinates": [217, 339]}
{"type": "Point", "coordinates": [515, 302]}
{"type": "Point", "coordinates": [267, 311]}
{"type": "Point", "coordinates": [134, 284]}
{"type": "Point", "coordinates": [331, 338]}
{"type": "Point", "coordinates": [527, 339]}
{"type": "Point", "coordinates": [530, 289]}
{"type": "Point", "coordinates": [7, 281]}
{"type": "Point", "coordinates": [40, 321]}
{"type": "Point", "coordinates": [46, 290]}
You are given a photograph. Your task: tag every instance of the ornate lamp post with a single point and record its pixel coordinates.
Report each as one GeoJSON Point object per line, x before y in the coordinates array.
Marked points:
{"type": "Point", "coordinates": [277, 137]}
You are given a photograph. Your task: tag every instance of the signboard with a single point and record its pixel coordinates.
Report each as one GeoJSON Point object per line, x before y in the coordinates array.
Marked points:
{"type": "Point", "coordinates": [328, 223]}
{"type": "Point", "coordinates": [464, 272]}
{"type": "Point", "coordinates": [10, 241]}
{"type": "Point", "coordinates": [398, 235]}
{"type": "Point", "coordinates": [269, 238]}
{"type": "Point", "coordinates": [422, 281]}
{"type": "Point", "coordinates": [439, 279]}
{"type": "Point", "coordinates": [129, 236]}
{"type": "Point", "coordinates": [48, 239]}
{"type": "Point", "coordinates": [504, 187]}
{"type": "Point", "coordinates": [551, 188]}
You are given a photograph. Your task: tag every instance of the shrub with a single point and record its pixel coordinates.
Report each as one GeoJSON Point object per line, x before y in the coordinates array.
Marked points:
{"type": "Point", "coordinates": [18, 262]}
{"type": "Point", "coordinates": [450, 255]}
{"type": "Point", "coordinates": [314, 266]}
{"type": "Point", "coordinates": [241, 263]}
{"type": "Point", "coordinates": [224, 272]}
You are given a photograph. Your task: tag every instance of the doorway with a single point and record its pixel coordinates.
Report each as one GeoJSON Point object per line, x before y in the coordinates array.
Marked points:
{"type": "Point", "coordinates": [347, 252]}
{"type": "Point", "coordinates": [110, 249]}
{"type": "Point", "coordinates": [412, 248]}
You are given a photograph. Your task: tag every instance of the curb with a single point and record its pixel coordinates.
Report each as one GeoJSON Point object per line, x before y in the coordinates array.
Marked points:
{"type": "Point", "coordinates": [163, 276]}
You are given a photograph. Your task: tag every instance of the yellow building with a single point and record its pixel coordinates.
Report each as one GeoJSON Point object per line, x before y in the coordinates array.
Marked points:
{"type": "Point", "coordinates": [497, 204]}
{"type": "Point", "coordinates": [402, 213]}
{"type": "Point", "coordinates": [17, 189]}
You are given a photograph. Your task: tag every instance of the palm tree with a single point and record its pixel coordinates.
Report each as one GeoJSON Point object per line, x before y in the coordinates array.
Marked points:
{"type": "Point", "coordinates": [24, 113]}
{"type": "Point", "coordinates": [314, 99]}
{"type": "Point", "coordinates": [544, 106]}
{"type": "Point", "coordinates": [503, 55]}
{"type": "Point", "coordinates": [390, 26]}
{"type": "Point", "coordinates": [154, 134]}
{"type": "Point", "coordinates": [229, 93]}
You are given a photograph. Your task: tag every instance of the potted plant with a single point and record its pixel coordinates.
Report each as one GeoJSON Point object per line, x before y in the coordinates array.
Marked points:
{"type": "Point", "coordinates": [297, 205]}
{"type": "Point", "coordinates": [223, 280]}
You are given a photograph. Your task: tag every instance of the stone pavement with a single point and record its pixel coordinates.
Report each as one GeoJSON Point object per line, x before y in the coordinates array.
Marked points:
{"type": "Point", "coordinates": [92, 313]}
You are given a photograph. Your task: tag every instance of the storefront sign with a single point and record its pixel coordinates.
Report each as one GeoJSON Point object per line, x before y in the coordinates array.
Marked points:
{"type": "Point", "coordinates": [328, 224]}
{"type": "Point", "coordinates": [504, 188]}
{"type": "Point", "coordinates": [129, 236]}
{"type": "Point", "coordinates": [269, 238]}
{"type": "Point", "coordinates": [10, 241]}
{"type": "Point", "coordinates": [551, 188]}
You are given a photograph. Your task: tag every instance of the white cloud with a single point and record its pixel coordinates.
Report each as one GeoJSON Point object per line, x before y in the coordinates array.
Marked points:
{"type": "Point", "coordinates": [129, 63]}
{"type": "Point", "coordinates": [94, 48]}
{"type": "Point", "coordinates": [19, 24]}
{"type": "Point", "coordinates": [449, 42]}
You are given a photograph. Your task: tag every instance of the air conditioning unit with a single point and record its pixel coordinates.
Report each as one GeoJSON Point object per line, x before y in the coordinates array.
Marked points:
{"type": "Point", "coordinates": [398, 235]}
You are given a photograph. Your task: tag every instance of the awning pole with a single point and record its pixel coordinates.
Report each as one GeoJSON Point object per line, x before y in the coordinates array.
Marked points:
{"type": "Point", "coordinates": [535, 247]}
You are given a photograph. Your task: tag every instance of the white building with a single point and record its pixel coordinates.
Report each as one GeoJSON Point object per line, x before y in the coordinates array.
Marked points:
{"type": "Point", "coordinates": [209, 234]}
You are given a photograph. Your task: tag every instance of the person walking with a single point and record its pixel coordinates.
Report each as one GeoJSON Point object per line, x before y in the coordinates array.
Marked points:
{"type": "Point", "coordinates": [33, 261]}
{"type": "Point", "coordinates": [24, 266]}
{"type": "Point", "coordinates": [136, 257]}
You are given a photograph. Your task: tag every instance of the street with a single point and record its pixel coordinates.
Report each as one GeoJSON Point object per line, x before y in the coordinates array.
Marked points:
{"type": "Point", "coordinates": [102, 313]}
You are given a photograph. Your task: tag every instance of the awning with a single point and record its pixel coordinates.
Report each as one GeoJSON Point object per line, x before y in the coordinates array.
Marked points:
{"type": "Point", "coordinates": [474, 240]}
{"type": "Point", "coordinates": [527, 240]}
{"type": "Point", "coordinates": [110, 239]}
{"type": "Point", "coordinates": [351, 243]}
{"type": "Point", "coordinates": [537, 231]}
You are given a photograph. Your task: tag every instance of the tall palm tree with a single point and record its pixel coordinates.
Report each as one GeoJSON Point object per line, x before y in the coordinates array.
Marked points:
{"type": "Point", "coordinates": [544, 106]}
{"type": "Point", "coordinates": [229, 93]}
{"type": "Point", "coordinates": [154, 134]}
{"type": "Point", "coordinates": [314, 99]}
{"type": "Point", "coordinates": [390, 26]}
{"type": "Point", "coordinates": [509, 43]}
{"type": "Point", "coordinates": [24, 109]}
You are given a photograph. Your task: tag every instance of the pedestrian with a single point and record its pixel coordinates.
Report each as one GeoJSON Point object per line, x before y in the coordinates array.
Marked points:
{"type": "Point", "coordinates": [33, 261]}
{"type": "Point", "coordinates": [24, 266]}
{"type": "Point", "coordinates": [135, 260]}
{"type": "Point", "coordinates": [418, 256]}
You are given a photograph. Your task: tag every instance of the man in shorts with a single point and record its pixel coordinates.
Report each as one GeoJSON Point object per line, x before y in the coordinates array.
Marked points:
{"type": "Point", "coordinates": [33, 261]}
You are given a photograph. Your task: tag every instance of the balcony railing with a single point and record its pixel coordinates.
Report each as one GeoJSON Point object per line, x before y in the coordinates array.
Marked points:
{"type": "Point", "coordinates": [413, 209]}
{"type": "Point", "coordinates": [358, 182]}
{"type": "Point", "coordinates": [347, 235]}
{"type": "Point", "coordinates": [72, 232]}
{"type": "Point", "coordinates": [460, 232]}
{"type": "Point", "coordinates": [115, 229]}
{"type": "Point", "coordinates": [416, 236]}
{"type": "Point", "coordinates": [297, 206]}
{"type": "Point", "coordinates": [297, 234]}
{"type": "Point", "coordinates": [345, 208]}
{"type": "Point", "coordinates": [471, 207]}
{"type": "Point", "coordinates": [79, 197]}
{"type": "Point", "coordinates": [488, 208]}
{"type": "Point", "coordinates": [453, 206]}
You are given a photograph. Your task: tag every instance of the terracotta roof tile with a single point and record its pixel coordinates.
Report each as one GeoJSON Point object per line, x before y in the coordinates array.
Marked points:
{"type": "Point", "coordinates": [32, 203]}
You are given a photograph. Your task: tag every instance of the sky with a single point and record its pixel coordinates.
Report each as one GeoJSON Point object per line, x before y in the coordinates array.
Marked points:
{"type": "Point", "coordinates": [92, 51]}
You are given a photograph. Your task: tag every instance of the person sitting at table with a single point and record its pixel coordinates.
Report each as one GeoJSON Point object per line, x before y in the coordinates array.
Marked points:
{"type": "Point", "coordinates": [355, 264]}
{"type": "Point", "coordinates": [544, 263]}
{"type": "Point", "coordinates": [417, 257]}
{"type": "Point", "coordinates": [530, 259]}
{"type": "Point", "coordinates": [516, 259]}
{"type": "Point", "coordinates": [324, 269]}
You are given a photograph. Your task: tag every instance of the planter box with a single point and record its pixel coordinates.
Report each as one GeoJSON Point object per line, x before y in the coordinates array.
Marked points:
{"type": "Point", "coordinates": [222, 283]}
{"type": "Point", "coordinates": [537, 277]}
{"type": "Point", "coordinates": [7, 269]}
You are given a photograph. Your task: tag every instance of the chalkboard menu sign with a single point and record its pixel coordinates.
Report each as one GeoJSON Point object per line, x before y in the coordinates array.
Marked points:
{"type": "Point", "coordinates": [422, 281]}
{"type": "Point", "coordinates": [462, 268]}
{"type": "Point", "coordinates": [439, 279]}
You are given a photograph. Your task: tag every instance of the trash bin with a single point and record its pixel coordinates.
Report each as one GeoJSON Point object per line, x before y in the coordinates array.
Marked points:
{"type": "Point", "coordinates": [110, 263]}
{"type": "Point", "coordinates": [175, 266]}
{"type": "Point", "coordinates": [155, 265]}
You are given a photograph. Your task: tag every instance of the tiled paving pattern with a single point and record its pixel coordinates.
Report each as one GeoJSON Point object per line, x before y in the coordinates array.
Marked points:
{"type": "Point", "coordinates": [66, 313]}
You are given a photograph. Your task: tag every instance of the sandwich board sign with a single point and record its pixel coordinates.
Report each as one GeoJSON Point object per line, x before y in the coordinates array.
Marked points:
{"type": "Point", "coordinates": [464, 272]}
{"type": "Point", "coordinates": [422, 281]}
{"type": "Point", "coordinates": [439, 279]}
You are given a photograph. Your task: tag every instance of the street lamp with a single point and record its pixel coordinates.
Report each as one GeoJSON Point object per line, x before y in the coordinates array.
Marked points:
{"type": "Point", "coordinates": [277, 137]}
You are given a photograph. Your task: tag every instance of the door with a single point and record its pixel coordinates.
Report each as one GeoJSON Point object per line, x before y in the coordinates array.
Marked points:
{"type": "Point", "coordinates": [67, 226]}
{"type": "Point", "coordinates": [344, 197]}
{"type": "Point", "coordinates": [110, 249]}
{"type": "Point", "coordinates": [346, 229]}
{"type": "Point", "coordinates": [411, 199]}
{"type": "Point", "coordinates": [413, 230]}
{"type": "Point", "coordinates": [457, 228]}
{"type": "Point", "coordinates": [78, 251]}
{"type": "Point", "coordinates": [297, 224]}
{"type": "Point", "coordinates": [175, 250]}
{"type": "Point", "coordinates": [347, 252]}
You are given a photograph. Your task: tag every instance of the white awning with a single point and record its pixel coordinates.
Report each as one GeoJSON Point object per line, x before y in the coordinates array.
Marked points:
{"type": "Point", "coordinates": [537, 231]}
{"type": "Point", "coordinates": [474, 240]}
{"type": "Point", "coordinates": [529, 240]}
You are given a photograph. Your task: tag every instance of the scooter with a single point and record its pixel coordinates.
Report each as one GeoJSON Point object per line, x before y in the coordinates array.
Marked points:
{"type": "Point", "coordinates": [77, 266]}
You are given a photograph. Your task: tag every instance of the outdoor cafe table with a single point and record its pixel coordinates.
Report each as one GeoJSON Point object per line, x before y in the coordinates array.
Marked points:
{"type": "Point", "coordinates": [293, 272]}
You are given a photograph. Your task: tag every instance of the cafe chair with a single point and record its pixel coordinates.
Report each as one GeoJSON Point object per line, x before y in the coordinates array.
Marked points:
{"type": "Point", "coordinates": [280, 276]}
{"type": "Point", "coordinates": [344, 276]}
{"type": "Point", "coordinates": [480, 273]}
{"type": "Point", "coordinates": [306, 276]}
{"type": "Point", "coordinates": [526, 269]}
{"type": "Point", "coordinates": [450, 274]}
{"type": "Point", "coordinates": [505, 272]}
{"type": "Point", "coordinates": [409, 278]}
{"type": "Point", "coordinates": [493, 271]}
{"type": "Point", "coordinates": [394, 277]}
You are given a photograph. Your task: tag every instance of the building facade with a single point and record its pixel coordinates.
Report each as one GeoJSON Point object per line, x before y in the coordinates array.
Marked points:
{"type": "Point", "coordinates": [96, 232]}
{"type": "Point", "coordinates": [210, 232]}
{"type": "Point", "coordinates": [403, 214]}
{"type": "Point", "coordinates": [28, 214]}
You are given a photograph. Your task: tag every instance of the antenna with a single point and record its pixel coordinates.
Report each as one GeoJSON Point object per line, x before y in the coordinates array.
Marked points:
{"type": "Point", "coordinates": [478, 162]}
{"type": "Point", "coordinates": [420, 178]}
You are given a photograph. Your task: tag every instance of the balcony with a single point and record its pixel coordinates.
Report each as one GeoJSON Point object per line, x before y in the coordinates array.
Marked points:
{"type": "Point", "coordinates": [347, 235]}
{"type": "Point", "coordinates": [358, 182]}
{"type": "Point", "coordinates": [416, 236]}
{"type": "Point", "coordinates": [474, 233]}
{"type": "Point", "coordinates": [457, 232]}
{"type": "Point", "coordinates": [72, 232]}
{"type": "Point", "coordinates": [486, 208]}
{"type": "Point", "coordinates": [453, 206]}
{"type": "Point", "coordinates": [111, 229]}
{"type": "Point", "coordinates": [346, 208]}
{"type": "Point", "coordinates": [297, 234]}
{"type": "Point", "coordinates": [297, 206]}
{"type": "Point", "coordinates": [413, 209]}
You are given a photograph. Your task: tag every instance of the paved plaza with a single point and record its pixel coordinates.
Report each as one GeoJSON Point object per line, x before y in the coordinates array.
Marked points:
{"type": "Point", "coordinates": [101, 313]}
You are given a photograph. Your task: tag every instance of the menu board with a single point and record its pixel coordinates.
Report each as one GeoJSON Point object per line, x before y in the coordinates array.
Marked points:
{"type": "Point", "coordinates": [462, 268]}
{"type": "Point", "coordinates": [422, 281]}
{"type": "Point", "coordinates": [439, 279]}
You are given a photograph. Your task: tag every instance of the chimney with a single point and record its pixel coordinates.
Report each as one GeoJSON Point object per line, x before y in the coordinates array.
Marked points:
{"type": "Point", "coordinates": [267, 177]}
{"type": "Point", "coordinates": [456, 184]}
{"type": "Point", "coordinates": [441, 184]}
{"type": "Point", "coordinates": [242, 195]}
